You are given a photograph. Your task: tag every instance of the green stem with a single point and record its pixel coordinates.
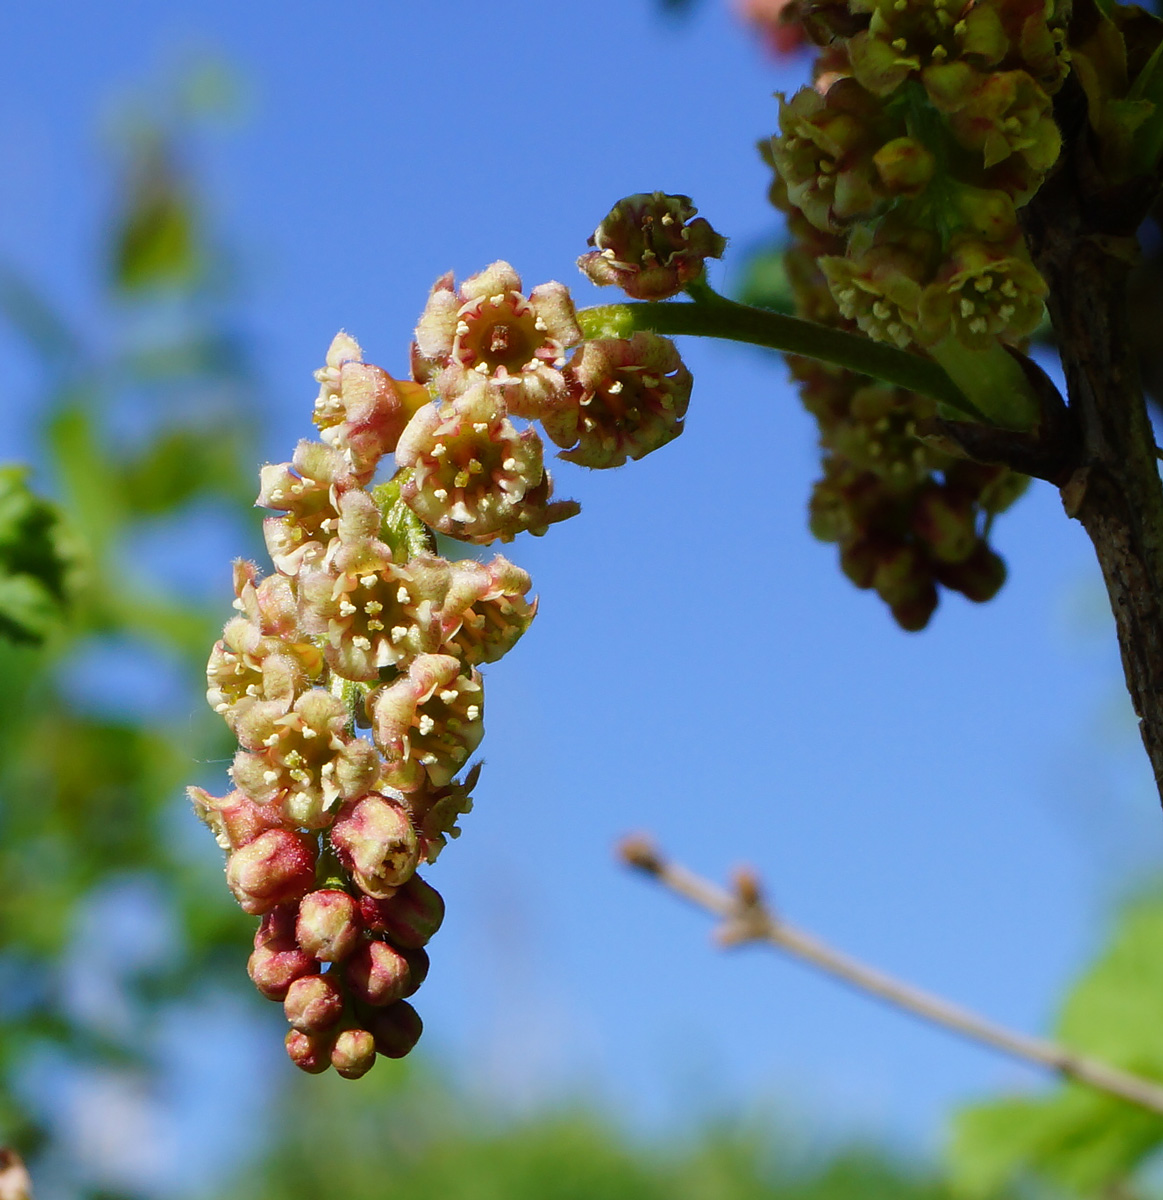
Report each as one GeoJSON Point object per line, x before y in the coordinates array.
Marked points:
{"type": "Point", "coordinates": [712, 315]}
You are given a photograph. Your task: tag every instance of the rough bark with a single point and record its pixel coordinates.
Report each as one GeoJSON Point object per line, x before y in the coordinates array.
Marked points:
{"type": "Point", "coordinates": [1081, 233]}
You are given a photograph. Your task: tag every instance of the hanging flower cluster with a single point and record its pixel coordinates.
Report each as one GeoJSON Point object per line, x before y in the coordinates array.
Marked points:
{"type": "Point", "coordinates": [909, 518]}
{"type": "Point", "coordinates": [902, 173]}
{"type": "Point", "coordinates": [350, 675]}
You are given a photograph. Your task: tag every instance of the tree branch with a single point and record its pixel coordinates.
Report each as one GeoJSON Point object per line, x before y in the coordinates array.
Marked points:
{"type": "Point", "coordinates": [747, 918]}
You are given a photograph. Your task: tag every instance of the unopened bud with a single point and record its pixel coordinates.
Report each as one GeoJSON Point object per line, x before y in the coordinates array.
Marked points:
{"type": "Point", "coordinates": [377, 973]}
{"type": "Point", "coordinates": [277, 962]}
{"type": "Point", "coordinates": [904, 166]}
{"type": "Point", "coordinates": [310, 1052]}
{"type": "Point", "coordinates": [945, 522]}
{"type": "Point", "coordinates": [354, 1053]}
{"type": "Point", "coordinates": [410, 917]}
{"type": "Point", "coordinates": [328, 925]}
{"type": "Point", "coordinates": [277, 867]}
{"type": "Point", "coordinates": [418, 964]}
{"type": "Point", "coordinates": [396, 1029]}
{"type": "Point", "coordinates": [313, 1003]}
{"type": "Point", "coordinates": [376, 840]}
{"type": "Point", "coordinates": [978, 578]}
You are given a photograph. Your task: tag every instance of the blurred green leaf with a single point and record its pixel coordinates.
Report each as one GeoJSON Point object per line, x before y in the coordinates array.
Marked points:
{"type": "Point", "coordinates": [35, 561]}
{"type": "Point", "coordinates": [765, 282]}
{"type": "Point", "coordinates": [156, 242]}
{"type": "Point", "coordinates": [1083, 1139]}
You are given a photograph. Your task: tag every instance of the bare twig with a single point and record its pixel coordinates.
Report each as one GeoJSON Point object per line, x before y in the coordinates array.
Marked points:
{"type": "Point", "coordinates": [747, 918]}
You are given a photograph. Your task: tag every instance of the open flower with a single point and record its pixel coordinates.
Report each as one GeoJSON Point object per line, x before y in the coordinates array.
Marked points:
{"type": "Point", "coordinates": [263, 654]}
{"type": "Point", "coordinates": [305, 759]}
{"type": "Point", "coordinates": [984, 290]}
{"type": "Point", "coordinates": [880, 290]}
{"type": "Point", "coordinates": [651, 246]}
{"type": "Point", "coordinates": [427, 722]}
{"type": "Point", "coordinates": [628, 396]}
{"type": "Point", "coordinates": [474, 477]}
{"type": "Point", "coordinates": [489, 330]}
{"type": "Point", "coordinates": [824, 153]}
{"type": "Point", "coordinates": [370, 611]}
{"type": "Point", "coordinates": [310, 490]}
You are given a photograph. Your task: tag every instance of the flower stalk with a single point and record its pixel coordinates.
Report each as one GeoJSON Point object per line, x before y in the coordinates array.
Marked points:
{"type": "Point", "coordinates": [709, 314]}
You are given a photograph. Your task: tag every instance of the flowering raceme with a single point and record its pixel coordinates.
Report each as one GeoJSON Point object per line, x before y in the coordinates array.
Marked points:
{"type": "Point", "coordinates": [350, 675]}
{"type": "Point", "coordinates": [903, 173]}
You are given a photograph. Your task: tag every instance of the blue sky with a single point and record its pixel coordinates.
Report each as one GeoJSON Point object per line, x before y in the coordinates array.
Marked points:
{"type": "Point", "coordinates": [960, 806]}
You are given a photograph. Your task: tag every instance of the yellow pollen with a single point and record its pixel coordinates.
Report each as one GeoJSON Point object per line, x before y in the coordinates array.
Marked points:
{"type": "Point", "coordinates": [375, 626]}
{"type": "Point", "coordinates": [372, 607]}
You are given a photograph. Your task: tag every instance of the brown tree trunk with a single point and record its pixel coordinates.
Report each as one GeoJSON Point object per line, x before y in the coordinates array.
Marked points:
{"type": "Point", "coordinates": [1081, 234]}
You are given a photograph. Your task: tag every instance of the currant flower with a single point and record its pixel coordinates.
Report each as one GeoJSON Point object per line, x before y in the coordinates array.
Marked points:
{"type": "Point", "coordinates": [651, 246]}
{"type": "Point", "coordinates": [983, 290]}
{"type": "Point", "coordinates": [427, 722]}
{"type": "Point", "coordinates": [370, 611]}
{"type": "Point", "coordinates": [262, 654]}
{"type": "Point", "coordinates": [628, 396]}
{"type": "Point", "coordinates": [824, 153]}
{"type": "Point", "coordinates": [880, 290]}
{"type": "Point", "coordinates": [305, 760]}
{"type": "Point", "coordinates": [376, 841]}
{"type": "Point", "coordinates": [474, 477]}
{"type": "Point", "coordinates": [310, 491]}
{"type": "Point", "coordinates": [479, 609]}
{"type": "Point", "coordinates": [489, 330]}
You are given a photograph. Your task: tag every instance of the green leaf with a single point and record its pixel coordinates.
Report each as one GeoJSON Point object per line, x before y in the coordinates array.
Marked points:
{"type": "Point", "coordinates": [765, 282]}
{"type": "Point", "coordinates": [35, 561]}
{"type": "Point", "coordinates": [1081, 1138]}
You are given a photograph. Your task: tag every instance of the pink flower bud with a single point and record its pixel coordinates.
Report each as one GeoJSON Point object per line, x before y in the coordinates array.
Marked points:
{"type": "Point", "coordinates": [396, 1029]}
{"type": "Point", "coordinates": [277, 867]}
{"type": "Point", "coordinates": [313, 1003]}
{"type": "Point", "coordinates": [310, 1052]}
{"type": "Point", "coordinates": [410, 917]}
{"type": "Point", "coordinates": [234, 819]}
{"type": "Point", "coordinates": [361, 409]}
{"type": "Point", "coordinates": [354, 1053]}
{"type": "Point", "coordinates": [276, 964]}
{"type": "Point", "coordinates": [328, 926]}
{"type": "Point", "coordinates": [376, 841]}
{"type": "Point", "coordinates": [418, 964]}
{"type": "Point", "coordinates": [377, 974]}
